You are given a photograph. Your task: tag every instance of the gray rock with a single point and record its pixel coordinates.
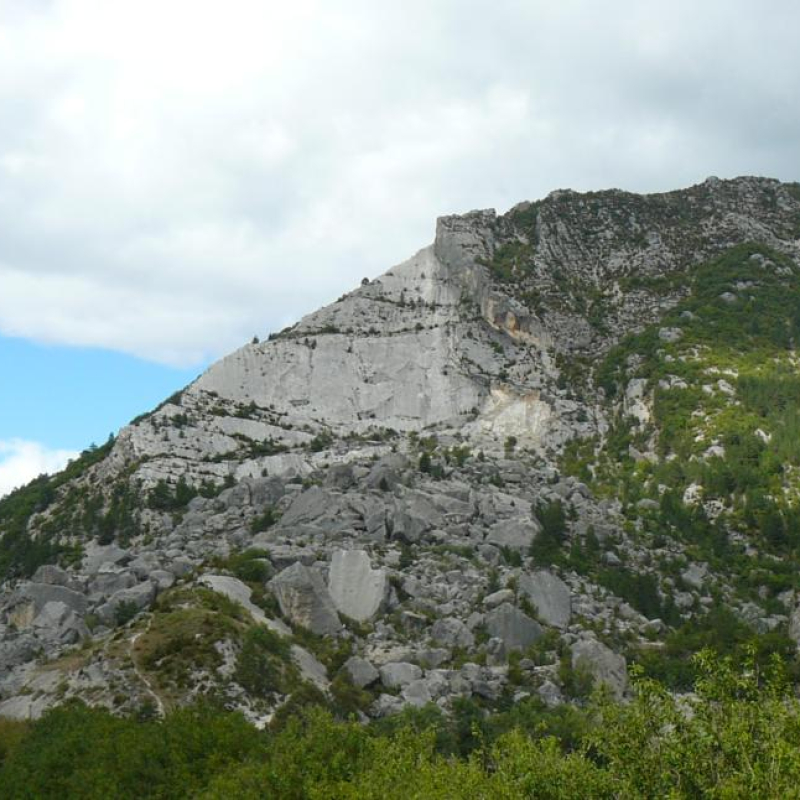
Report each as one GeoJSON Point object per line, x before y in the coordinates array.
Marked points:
{"type": "Point", "coordinates": [517, 533]}
{"type": "Point", "coordinates": [361, 671]}
{"type": "Point", "coordinates": [239, 592]}
{"type": "Point", "coordinates": [512, 627]}
{"type": "Point", "coordinates": [550, 694]}
{"type": "Point", "coordinates": [340, 477]}
{"type": "Point", "coordinates": [142, 596]}
{"type": "Point", "coordinates": [549, 595]}
{"type": "Point", "coordinates": [162, 579]}
{"type": "Point", "coordinates": [417, 693]}
{"type": "Point", "coordinates": [110, 580]}
{"type": "Point", "coordinates": [53, 575]}
{"type": "Point", "coordinates": [39, 594]}
{"type": "Point", "coordinates": [695, 575]}
{"type": "Point", "coordinates": [304, 599]}
{"type": "Point", "coordinates": [498, 598]}
{"type": "Point", "coordinates": [433, 657]}
{"type": "Point", "coordinates": [670, 335]}
{"type": "Point", "coordinates": [452, 632]}
{"type": "Point", "coordinates": [307, 507]}
{"type": "Point", "coordinates": [399, 674]}
{"type": "Point", "coordinates": [602, 663]}
{"type": "Point", "coordinates": [385, 706]}
{"type": "Point", "coordinates": [58, 622]}
{"type": "Point", "coordinates": [17, 650]}
{"type": "Point", "coordinates": [794, 626]}
{"type": "Point", "coordinates": [311, 669]}
{"type": "Point", "coordinates": [357, 590]}
{"type": "Point", "coordinates": [144, 564]}
{"type": "Point", "coordinates": [96, 555]}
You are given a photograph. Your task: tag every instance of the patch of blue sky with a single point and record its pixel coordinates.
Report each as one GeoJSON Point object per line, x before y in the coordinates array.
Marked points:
{"type": "Point", "coordinates": [69, 397]}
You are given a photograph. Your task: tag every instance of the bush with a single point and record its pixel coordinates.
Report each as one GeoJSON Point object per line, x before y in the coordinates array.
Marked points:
{"type": "Point", "coordinates": [264, 663]}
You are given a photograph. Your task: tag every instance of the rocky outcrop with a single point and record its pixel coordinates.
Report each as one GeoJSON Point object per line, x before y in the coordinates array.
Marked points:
{"type": "Point", "coordinates": [603, 664]}
{"type": "Point", "coordinates": [382, 459]}
{"type": "Point", "coordinates": [514, 629]}
{"type": "Point", "coordinates": [305, 600]}
{"type": "Point", "coordinates": [549, 595]}
{"type": "Point", "coordinates": [357, 590]}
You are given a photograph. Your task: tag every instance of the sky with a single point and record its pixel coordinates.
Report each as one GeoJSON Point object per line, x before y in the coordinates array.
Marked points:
{"type": "Point", "coordinates": [178, 176]}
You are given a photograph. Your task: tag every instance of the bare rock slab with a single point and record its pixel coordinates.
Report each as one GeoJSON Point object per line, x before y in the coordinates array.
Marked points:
{"type": "Point", "coordinates": [304, 599]}
{"type": "Point", "coordinates": [549, 595]}
{"type": "Point", "coordinates": [357, 590]}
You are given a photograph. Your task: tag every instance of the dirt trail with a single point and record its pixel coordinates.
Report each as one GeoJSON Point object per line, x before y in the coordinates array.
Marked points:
{"type": "Point", "coordinates": [139, 674]}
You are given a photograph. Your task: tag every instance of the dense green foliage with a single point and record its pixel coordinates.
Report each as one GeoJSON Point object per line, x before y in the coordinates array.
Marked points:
{"type": "Point", "coordinates": [721, 373]}
{"type": "Point", "coordinates": [20, 553]}
{"type": "Point", "coordinates": [737, 736]}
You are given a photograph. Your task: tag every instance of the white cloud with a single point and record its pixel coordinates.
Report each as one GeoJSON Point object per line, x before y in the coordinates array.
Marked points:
{"type": "Point", "coordinates": [175, 177]}
{"type": "Point", "coordinates": [22, 461]}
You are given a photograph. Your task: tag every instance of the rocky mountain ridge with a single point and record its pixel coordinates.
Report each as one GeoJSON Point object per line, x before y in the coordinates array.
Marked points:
{"type": "Point", "coordinates": [457, 481]}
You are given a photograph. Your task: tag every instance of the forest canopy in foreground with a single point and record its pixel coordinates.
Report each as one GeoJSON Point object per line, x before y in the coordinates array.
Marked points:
{"type": "Point", "coordinates": [737, 735]}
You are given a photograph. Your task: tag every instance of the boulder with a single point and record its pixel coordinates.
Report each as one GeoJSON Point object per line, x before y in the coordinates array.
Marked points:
{"type": "Point", "coordinates": [602, 663]}
{"type": "Point", "coordinates": [39, 594]}
{"type": "Point", "coordinates": [53, 575]}
{"type": "Point", "coordinates": [340, 477]}
{"type": "Point", "coordinates": [96, 555]}
{"type": "Point", "coordinates": [498, 598]}
{"type": "Point", "coordinates": [399, 674]}
{"type": "Point", "coordinates": [110, 580]}
{"type": "Point", "coordinates": [695, 575]}
{"type": "Point", "coordinates": [59, 623]}
{"type": "Point", "coordinates": [307, 507]}
{"type": "Point", "coordinates": [16, 651]}
{"type": "Point", "coordinates": [549, 595]}
{"type": "Point", "coordinates": [304, 599]}
{"type": "Point", "coordinates": [362, 672]}
{"type": "Point", "coordinates": [517, 533]}
{"type": "Point", "coordinates": [515, 629]}
{"type": "Point", "coordinates": [550, 694]}
{"type": "Point", "coordinates": [417, 693]}
{"type": "Point", "coordinates": [452, 632]}
{"type": "Point", "coordinates": [141, 596]}
{"type": "Point", "coordinates": [311, 669]}
{"type": "Point", "coordinates": [357, 590]}
{"type": "Point", "coordinates": [144, 564]}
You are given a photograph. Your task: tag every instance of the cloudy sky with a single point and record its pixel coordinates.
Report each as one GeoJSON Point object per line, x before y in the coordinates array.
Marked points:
{"type": "Point", "coordinates": [177, 176]}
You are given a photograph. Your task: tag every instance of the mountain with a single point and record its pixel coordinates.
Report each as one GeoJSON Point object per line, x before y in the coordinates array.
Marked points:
{"type": "Point", "coordinates": [551, 444]}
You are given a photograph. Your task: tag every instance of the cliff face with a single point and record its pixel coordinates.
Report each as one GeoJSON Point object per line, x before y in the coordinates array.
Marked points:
{"type": "Point", "coordinates": [515, 382]}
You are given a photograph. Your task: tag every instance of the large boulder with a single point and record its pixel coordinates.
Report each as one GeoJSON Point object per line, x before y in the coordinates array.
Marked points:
{"type": "Point", "coordinates": [357, 590]}
{"type": "Point", "coordinates": [39, 594]}
{"type": "Point", "coordinates": [307, 507]}
{"type": "Point", "coordinates": [602, 663]}
{"type": "Point", "coordinates": [96, 555]}
{"type": "Point", "coordinates": [140, 596]}
{"type": "Point", "coordinates": [517, 533]}
{"type": "Point", "coordinates": [515, 629]}
{"type": "Point", "coordinates": [452, 632]}
{"type": "Point", "coordinates": [304, 599]}
{"type": "Point", "coordinates": [109, 581]}
{"type": "Point", "coordinates": [362, 673]}
{"type": "Point", "coordinates": [56, 622]}
{"type": "Point", "coordinates": [53, 575]}
{"type": "Point", "coordinates": [399, 674]}
{"type": "Point", "coordinates": [549, 595]}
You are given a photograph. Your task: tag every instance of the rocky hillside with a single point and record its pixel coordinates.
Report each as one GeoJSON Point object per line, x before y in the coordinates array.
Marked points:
{"type": "Point", "coordinates": [553, 443]}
